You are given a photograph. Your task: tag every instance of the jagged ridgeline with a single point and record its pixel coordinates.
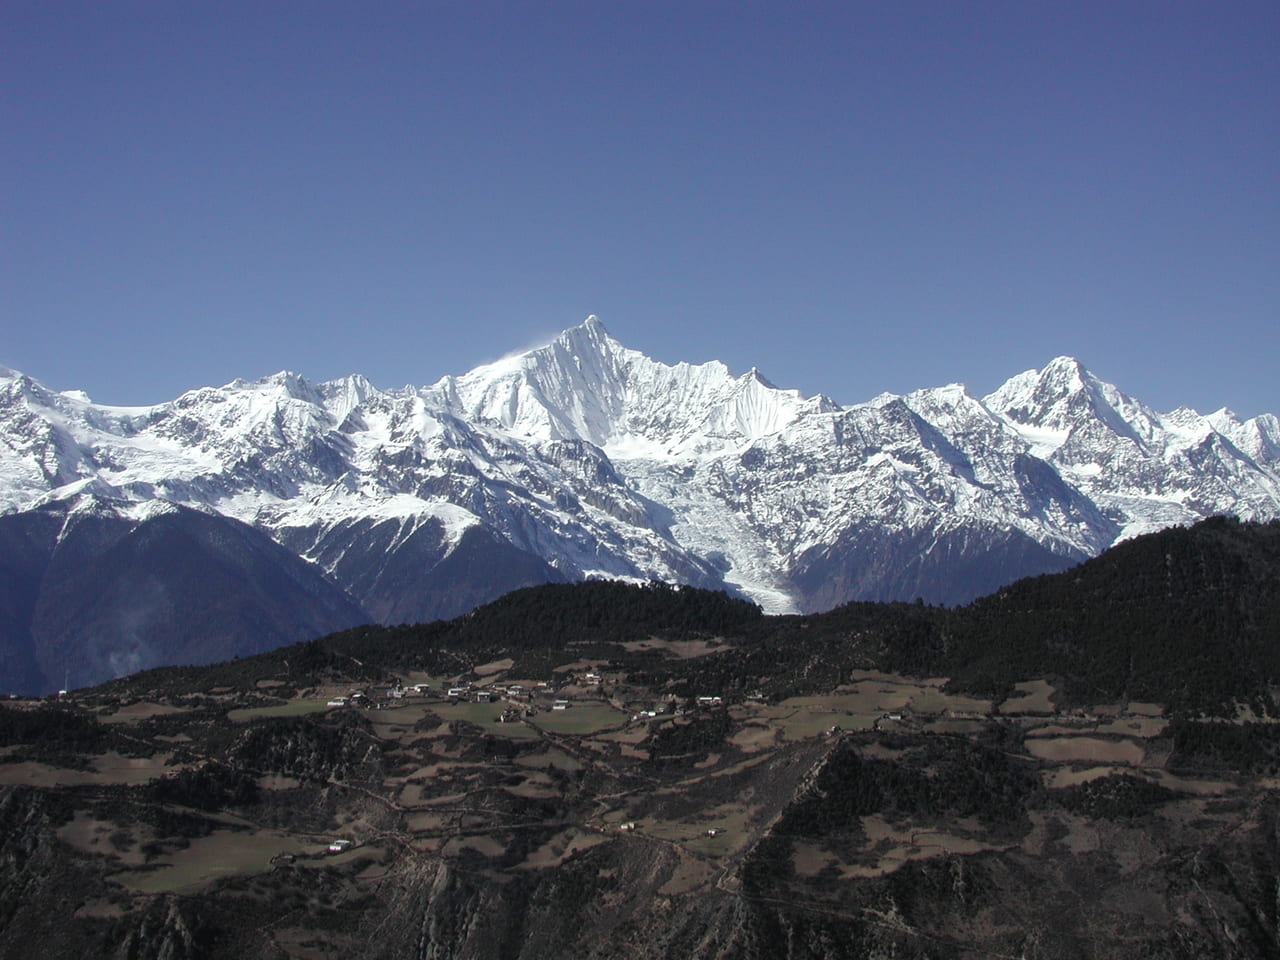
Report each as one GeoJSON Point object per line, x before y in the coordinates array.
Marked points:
{"type": "Point", "coordinates": [578, 460]}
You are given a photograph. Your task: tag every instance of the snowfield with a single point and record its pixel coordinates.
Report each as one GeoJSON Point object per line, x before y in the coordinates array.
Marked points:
{"type": "Point", "coordinates": [597, 461]}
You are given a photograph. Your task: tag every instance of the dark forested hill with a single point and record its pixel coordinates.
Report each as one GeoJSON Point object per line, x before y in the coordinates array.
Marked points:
{"type": "Point", "coordinates": [1185, 616]}
{"type": "Point", "coordinates": [645, 770]}
{"type": "Point", "coordinates": [93, 588]}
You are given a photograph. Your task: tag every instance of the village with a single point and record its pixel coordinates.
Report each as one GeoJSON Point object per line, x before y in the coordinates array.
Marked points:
{"type": "Point", "coordinates": [505, 773]}
{"type": "Point", "coordinates": [527, 699]}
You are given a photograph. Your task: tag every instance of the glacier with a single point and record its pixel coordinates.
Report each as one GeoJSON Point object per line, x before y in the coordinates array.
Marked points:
{"type": "Point", "coordinates": [584, 458]}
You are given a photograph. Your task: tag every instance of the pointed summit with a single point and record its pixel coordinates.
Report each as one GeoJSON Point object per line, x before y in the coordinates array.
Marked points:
{"type": "Point", "coordinates": [1064, 398]}
{"type": "Point", "coordinates": [569, 388]}
{"type": "Point", "coordinates": [590, 331]}
{"type": "Point", "coordinates": [1053, 397]}
{"type": "Point", "coordinates": [1030, 396]}
{"type": "Point", "coordinates": [585, 385]}
{"type": "Point", "coordinates": [586, 342]}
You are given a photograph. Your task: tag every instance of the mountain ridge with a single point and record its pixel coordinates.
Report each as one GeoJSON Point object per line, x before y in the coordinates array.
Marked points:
{"type": "Point", "coordinates": [584, 458]}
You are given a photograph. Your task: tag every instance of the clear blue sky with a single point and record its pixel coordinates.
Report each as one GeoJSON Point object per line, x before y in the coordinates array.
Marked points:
{"type": "Point", "coordinates": [853, 197]}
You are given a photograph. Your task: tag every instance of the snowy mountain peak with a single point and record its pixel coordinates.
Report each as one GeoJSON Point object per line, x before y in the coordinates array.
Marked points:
{"type": "Point", "coordinates": [285, 383]}
{"type": "Point", "coordinates": [1064, 399]}
{"type": "Point", "coordinates": [584, 385]}
{"type": "Point", "coordinates": [584, 457]}
{"type": "Point", "coordinates": [346, 394]}
{"type": "Point", "coordinates": [1066, 370]}
{"type": "Point", "coordinates": [1033, 396]}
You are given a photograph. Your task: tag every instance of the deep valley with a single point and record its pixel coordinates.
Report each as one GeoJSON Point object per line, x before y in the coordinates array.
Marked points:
{"type": "Point", "coordinates": [607, 770]}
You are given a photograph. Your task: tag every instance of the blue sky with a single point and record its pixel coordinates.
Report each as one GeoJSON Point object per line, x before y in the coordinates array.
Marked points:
{"type": "Point", "coordinates": [853, 197]}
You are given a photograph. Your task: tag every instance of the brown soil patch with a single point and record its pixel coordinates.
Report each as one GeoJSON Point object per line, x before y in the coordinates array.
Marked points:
{"type": "Point", "coordinates": [141, 711]}
{"type": "Point", "coordinates": [278, 781]}
{"type": "Point", "coordinates": [100, 910]}
{"type": "Point", "coordinates": [894, 846]}
{"type": "Point", "coordinates": [89, 835]}
{"type": "Point", "coordinates": [936, 702]}
{"type": "Point", "coordinates": [633, 734]}
{"type": "Point", "coordinates": [536, 787]}
{"type": "Point", "coordinates": [1066, 777]}
{"type": "Point", "coordinates": [109, 768]}
{"type": "Point", "coordinates": [560, 848]}
{"type": "Point", "coordinates": [754, 737]}
{"type": "Point", "coordinates": [1142, 709]}
{"type": "Point", "coordinates": [497, 666]}
{"type": "Point", "coordinates": [1143, 727]}
{"type": "Point", "coordinates": [679, 649]}
{"type": "Point", "coordinates": [809, 859]}
{"type": "Point", "coordinates": [580, 665]}
{"type": "Point", "coordinates": [878, 751]}
{"type": "Point", "coordinates": [1199, 788]}
{"type": "Point", "coordinates": [428, 822]}
{"type": "Point", "coordinates": [689, 875]}
{"type": "Point", "coordinates": [1082, 835]}
{"type": "Point", "coordinates": [959, 727]}
{"type": "Point", "coordinates": [1086, 750]}
{"type": "Point", "coordinates": [485, 846]}
{"type": "Point", "coordinates": [1034, 696]}
{"type": "Point", "coordinates": [221, 854]}
{"type": "Point", "coordinates": [555, 758]}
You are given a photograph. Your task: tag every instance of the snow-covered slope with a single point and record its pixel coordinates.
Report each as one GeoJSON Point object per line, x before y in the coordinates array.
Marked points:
{"type": "Point", "coordinates": [585, 458]}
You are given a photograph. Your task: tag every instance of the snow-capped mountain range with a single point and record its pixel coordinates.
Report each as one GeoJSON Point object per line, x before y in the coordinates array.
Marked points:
{"type": "Point", "coordinates": [584, 458]}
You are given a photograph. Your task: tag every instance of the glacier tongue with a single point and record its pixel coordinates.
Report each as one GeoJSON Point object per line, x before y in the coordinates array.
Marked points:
{"type": "Point", "coordinates": [584, 457]}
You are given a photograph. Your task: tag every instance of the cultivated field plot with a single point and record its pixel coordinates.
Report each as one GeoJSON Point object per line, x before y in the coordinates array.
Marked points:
{"type": "Point", "coordinates": [143, 710]}
{"type": "Point", "coordinates": [497, 666]}
{"type": "Point", "coordinates": [1085, 749]}
{"type": "Point", "coordinates": [99, 770]}
{"type": "Point", "coordinates": [1034, 697]}
{"type": "Point", "coordinates": [485, 716]}
{"type": "Point", "coordinates": [424, 779]}
{"type": "Point", "coordinates": [293, 708]}
{"type": "Point", "coordinates": [560, 848]}
{"type": "Point", "coordinates": [550, 759]}
{"type": "Point", "coordinates": [581, 718]}
{"type": "Point", "coordinates": [208, 859]}
{"type": "Point", "coordinates": [678, 649]}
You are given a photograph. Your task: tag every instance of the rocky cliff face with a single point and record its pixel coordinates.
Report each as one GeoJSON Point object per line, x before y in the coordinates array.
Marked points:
{"type": "Point", "coordinates": [584, 458]}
